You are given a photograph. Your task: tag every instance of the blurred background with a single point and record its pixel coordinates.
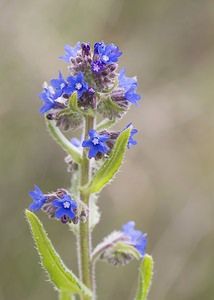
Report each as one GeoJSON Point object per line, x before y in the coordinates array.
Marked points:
{"type": "Point", "coordinates": [166, 184]}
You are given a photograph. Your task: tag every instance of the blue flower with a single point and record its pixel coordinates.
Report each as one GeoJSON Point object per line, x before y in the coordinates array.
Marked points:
{"type": "Point", "coordinates": [70, 52]}
{"type": "Point", "coordinates": [95, 143]}
{"type": "Point", "coordinates": [130, 86]}
{"type": "Point", "coordinates": [98, 47]}
{"type": "Point", "coordinates": [137, 238]}
{"type": "Point", "coordinates": [66, 205]}
{"type": "Point", "coordinates": [48, 96]}
{"type": "Point", "coordinates": [97, 66]}
{"type": "Point", "coordinates": [38, 197]}
{"type": "Point", "coordinates": [108, 53]}
{"type": "Point", "coordinates": [59, 84]}
{"type": "Point", "coordinates": [76, 84]}
{"type": "Point", "coordinates": [131, 141]}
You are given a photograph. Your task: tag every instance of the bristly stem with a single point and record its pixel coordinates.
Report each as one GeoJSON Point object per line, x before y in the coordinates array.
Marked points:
{"type": "Point", "coordinates": [85, 266]}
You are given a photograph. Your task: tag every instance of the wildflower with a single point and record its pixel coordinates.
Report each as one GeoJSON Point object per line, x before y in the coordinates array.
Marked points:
{"type": "Point", "coordinates": [70, 52]}
{"type": "Point", "coordinates": [136, 237]}
{"type": "Point", "coordinates": [59, 84]}
{"type": "Point", "coordinates": [131, 141]}
{"type": "Point", "coordinates": [108, 53]}
{"type": "Point", "coordinates": [99, 46]}
{"type": "Point", "coordinates": [130, 86]}
{"type": "Point", "coordinates": [95, 143]}
{"type": "Point", "coordinates": [96, 67]}
{"type": "Point", "coordinates": [48, 96]}
{"type": "Point", "coordinates": [66, 206]}
{"type": "Point", "coordinates": [38, 197]}
{"type": "Point", "coordinates": [76, 84]}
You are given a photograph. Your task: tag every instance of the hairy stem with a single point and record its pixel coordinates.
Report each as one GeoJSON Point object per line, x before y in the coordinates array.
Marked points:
{"type": "Point", "coordinates": [85, 266]}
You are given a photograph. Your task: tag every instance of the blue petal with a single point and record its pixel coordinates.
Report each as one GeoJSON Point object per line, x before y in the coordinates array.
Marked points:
{"type": "Point", "coordinates": [92, 152]}
{"type": "Point", "coordinates": [60, 212]}
{"type": "Point", "coordinates": [87, 143]}
{"type": "Point", "coordinates": [57, 203]}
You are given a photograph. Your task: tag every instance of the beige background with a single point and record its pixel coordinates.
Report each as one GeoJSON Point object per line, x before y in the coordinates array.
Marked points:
{"type": "Point", "coordinates": [166, 184]}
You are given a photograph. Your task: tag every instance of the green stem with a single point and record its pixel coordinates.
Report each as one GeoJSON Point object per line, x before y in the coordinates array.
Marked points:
{"type": "Point", "coordinates": [64, 295]}
{"type": "Point", "coordinates": [85, 266]}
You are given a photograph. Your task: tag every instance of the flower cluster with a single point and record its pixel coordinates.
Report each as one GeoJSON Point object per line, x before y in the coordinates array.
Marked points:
{"type": "Point", "coordinates": [59, 205]}
{"type": "Point", "coordinates": [114, 247]}
{"type": "Point", "coordinates": [99, 87]}
{"type": "Point", "coordinates": [102, 142]}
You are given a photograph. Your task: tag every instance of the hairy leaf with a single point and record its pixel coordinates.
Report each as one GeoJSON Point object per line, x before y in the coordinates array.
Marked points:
{"type": "Point", "coordinates": [145, 277]}
{"type": "Point", "coordinates": [63, 279]}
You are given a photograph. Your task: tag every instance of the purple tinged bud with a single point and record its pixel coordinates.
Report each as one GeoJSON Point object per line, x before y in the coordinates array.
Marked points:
{"type": "Point", "coordinates": [91, 91]}
{"type": "Point", "coordinates": [49, 117]}
{"type": "Point", "coordinates": [86, 48]}
{"type": "Point", "coordinates": [64, 219]}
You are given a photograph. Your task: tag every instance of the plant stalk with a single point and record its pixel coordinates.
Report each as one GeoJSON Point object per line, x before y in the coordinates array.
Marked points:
{"type": "Point", "coordinates": [85, 265]}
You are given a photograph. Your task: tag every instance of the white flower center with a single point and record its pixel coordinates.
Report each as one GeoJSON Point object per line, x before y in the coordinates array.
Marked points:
{"type": "Point", "coordinates": [66, 204]}
{"type": "Point", "coordinates": [95, 141]}
{"type": "Point", "coordinates": [96, 68]}
{"type": "Point", "coordinates": [105, 57]}
{"type": "Point", "coordinates": [62, 85]}
{"type": "Point", "coordinates": [78, 86]}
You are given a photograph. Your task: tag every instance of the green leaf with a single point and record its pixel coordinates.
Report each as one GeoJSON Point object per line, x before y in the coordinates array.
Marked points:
{"type": "Point", "coordinates": [110, 166]}
{"type": "Point", "coordinates": [145, 277]}
{"type": "Point", "coordinates": [66, 296]}
{"type": "Point", "coordinates": [63, 279]}
{"type": "Point", "coordinates": [64, 142]}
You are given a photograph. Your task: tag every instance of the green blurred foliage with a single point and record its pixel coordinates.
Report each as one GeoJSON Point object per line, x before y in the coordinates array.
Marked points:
{"type": "Point", "coordinates": [166, 184]}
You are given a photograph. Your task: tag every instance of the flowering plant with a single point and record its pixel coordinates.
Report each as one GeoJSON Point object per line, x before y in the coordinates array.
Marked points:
{"type": "Point", "coordinates": [94, 90]}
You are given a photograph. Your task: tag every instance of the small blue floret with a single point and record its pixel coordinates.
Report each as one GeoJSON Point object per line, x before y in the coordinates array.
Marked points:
{"type": "Point", "coordinates": [97, 66]}
{"type": "Point", "coordinates": [130, 86]}
{"type": "Point", "coordinates": [95, 143]}
{"type": "Point", "coordinates": [66, 205]}
{"type": "Point", "coordinates": [137, 238]}
{"type": "Point", "coordinates": [76, 84]}
{"type": "Point", "coordinates": [108, 53]}
{"type": "Point", "coordinates": [38, 197]}
{"type": "Point", "coordinates": [59, 84]}
{"type": "Point", "coordinates": [70, 52]}
{"type": "Point", "coordinates": [48, 96]}
{"type": "Point", "coordinates": [131, 141]}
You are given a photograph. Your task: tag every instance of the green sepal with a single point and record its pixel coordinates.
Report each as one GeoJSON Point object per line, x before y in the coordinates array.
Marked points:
{"type": "Point", "coordinates": [128, 249]}
{"type": "Point", "coordinates": [145, 277]}
{"type": "Point", "coordinates": [73, 105]}
{"type": "Point", "coordinates": [111, 88]}
{"type": "Point", "coordinates": [109, 108]}
{"type": "Point", "coordinates": [106, 123]}
{"type": "Point", "coordinates": [62, 278]}
{"type": "Point", "coordinates": [64, 142]}
{"type": "Point", "coordinates": [110, 166]}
